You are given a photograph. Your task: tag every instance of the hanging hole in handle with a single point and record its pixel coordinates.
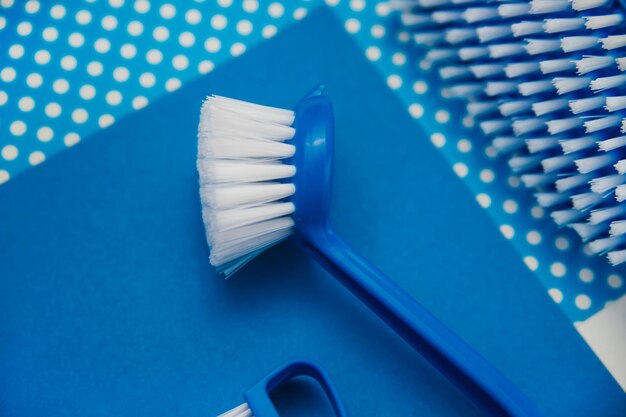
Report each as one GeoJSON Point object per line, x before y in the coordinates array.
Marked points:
{"type": "Point", "coordinates": [301, 396]}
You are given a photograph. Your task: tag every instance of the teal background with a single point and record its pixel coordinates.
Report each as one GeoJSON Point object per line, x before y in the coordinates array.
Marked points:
{"type": "Point", "coordinates": [110, 306]}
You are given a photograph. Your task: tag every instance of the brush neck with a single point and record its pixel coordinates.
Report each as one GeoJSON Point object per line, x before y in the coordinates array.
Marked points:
{"type": "Point", "coordinates": [463, 366]}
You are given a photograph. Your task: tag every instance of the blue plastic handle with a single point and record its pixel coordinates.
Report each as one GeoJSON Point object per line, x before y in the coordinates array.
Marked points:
{"type": "Point", "coordinates": [258, 397]}
{"type": "Point", "coordinates": [462, 365]}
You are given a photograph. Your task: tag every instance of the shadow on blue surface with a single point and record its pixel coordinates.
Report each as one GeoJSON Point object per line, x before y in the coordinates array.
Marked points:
{"type": "Point", "coordinates": [110, 307]}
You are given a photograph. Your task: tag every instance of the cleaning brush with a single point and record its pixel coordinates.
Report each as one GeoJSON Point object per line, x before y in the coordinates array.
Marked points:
{"type": "Point", "coordinates": [544, 79]}
{"type": "Point", "coordinates": [259, 402]}
{"type": "Point", "coordinates": [258, 189]}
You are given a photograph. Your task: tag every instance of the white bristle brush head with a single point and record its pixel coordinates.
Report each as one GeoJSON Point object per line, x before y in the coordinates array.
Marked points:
{"type": "Point", "coordinates": [617, 257]}
{"type": "Point", "coordinates": [243, 179]}
{"type": "Point", "coordinates": [581, 5]}
{"type": "Point", "coordinates": [603, 21]}
{"type": "Point", "coordinates": [242, 410]}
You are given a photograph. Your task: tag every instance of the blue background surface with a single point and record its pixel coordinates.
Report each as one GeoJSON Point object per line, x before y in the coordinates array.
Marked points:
{"type": "Point", "coordinates": [110, 306]}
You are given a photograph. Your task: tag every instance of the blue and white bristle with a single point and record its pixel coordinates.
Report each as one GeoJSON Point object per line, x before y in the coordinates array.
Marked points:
{"type": "Point", "coordinates": [546, 81]}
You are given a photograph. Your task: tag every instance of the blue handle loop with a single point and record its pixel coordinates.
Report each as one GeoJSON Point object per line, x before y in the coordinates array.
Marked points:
{"type": "Point", "coordinates": [456, 360]}
{"type": "Point", "coordinates": [258, 397]}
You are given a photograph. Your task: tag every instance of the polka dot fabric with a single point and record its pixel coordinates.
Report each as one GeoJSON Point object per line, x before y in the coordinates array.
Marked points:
{"type": "Point", "coordinates": [71, 69]}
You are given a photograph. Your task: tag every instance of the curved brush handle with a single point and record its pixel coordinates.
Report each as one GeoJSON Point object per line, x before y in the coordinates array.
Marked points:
{"type": "Point", "coordinates": [258, 397]}
{"type": "Point", "coordinates": [463, 366]}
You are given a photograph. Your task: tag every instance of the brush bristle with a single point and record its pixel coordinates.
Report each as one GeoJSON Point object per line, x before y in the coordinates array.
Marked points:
{"type": "Point", "coordinates": [546, 83]}
{"type": "Point", "coordinates": [242, 410]}
{"type": "Point", "coordinates": [241, 153]}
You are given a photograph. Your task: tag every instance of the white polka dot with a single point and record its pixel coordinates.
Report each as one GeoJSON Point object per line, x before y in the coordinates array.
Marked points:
{"type": "Point", "coordinates": [116, 4]}
{"type": "Point", "coordinates": [212, 45]}
{"type": "Point", "coordinates": [237, 49]}
{"type": "Point", "coordinates": [561, 243]}
{"type": "Point", "coordinates": [161, 34]}
{"type": "Point", "coordinates": [139, 102]}
{"type": "Point", "coordinates": [76, 40]}
{"type": "Point", "coordinates": [53, 110]}
{"type": "Point", "coordinates": [16, 51]}
{"type": "Point", "coordinates": [332, 3]}
{"type": "Point", "coordinates": [87, 92]}
{"type": "Point", "coordinates": [83, 17]}
{"type": "Point", "coordinates": [17, 128]}
{"type": "Point", "coordinates": [121, 74]}
{"type": "Point", "coordinates": [585, 275]}
{"type": "Point", "coordinates": [147, 80]}
{"type": "Point", "coordinates": [276, 10]}
{"type": "Point", "coordinates": [57, 12]}
{"type": "Point", "coordinates": [154, 56]}
{"type": "Point", "coordinates": [193, 17]}
{"type": "Point", "coordinates": [426, 65]}
{"type": "Point", "coordinates": [533, 237]}
{"type": "Point", "coordinates": [205, 66]}
{"type": "Point", "coordinates": [113, 97]}
{"type": "Point", "coordinates": [438, 139]}
{"type": "Point", "coordinates": [80, 116]}
{"type": "Point", "coordinates": [24, 28]}
{"type": "Point", "coordinates": [420, 87]}
{"type": "Point", "coordinates": [32, 6]}
{"type": "Point", "coordinates": [510, 206]}
{"type": "Point", "coordinates": [373, 53]}
{"type": "Point", "coordinates": [460, 169]}
{"type": "Point", "coordinates": [9, 152]}
{"type": "Point", "coordinates": [61, 86]}
{"type": "Point", "coordinates": [269, 31]}
{"type": "Point", "coordinates": [50, 34]}
{"type": "Point", "coordinates": [4, 176]}
{"type": "Point", "coordinates": [180, 62]}
{"type": "Point", "coordinates": [537, 212]}
{"type": "Point", "coordinates": [102, 45]}
{"type": "Point", "coordinates": [26, 104]}
{"type": "Point", "coordinates": [244, 27]}
{"type": "Point", "coordinates": [507, 231]}
{"type": "Point", "coordinates": [442, 116]}
{"type": "Point", "coordinates": [469, 122]}
{"type": "Point", "coordinates": [94, 68]}
{"type": "Point", "coordinates": [186, 39]}
{"type": "Point", "coordinates": [250, 6]}
{"type": "Point", "coordinates": [357, 5]}
{"type": "Point", "coordinates": [45, 134]}
{"type": "Point", "coordinates": [403, 37]}
{"type": "Point", "coordinates": [484, 200]}
{"type": "Point", "coordinates": [377, 31]}
{"type": "Point", "coordinates": [416, 110]}
{"type": "Point", "coordinates": [71, 139]}
{"type": "Point", "coordinates": [109, 22]}
{"type": "Point", "coordinates": [299, 13]}
{"type": "Point", "coordinates": [4, 97]}
{"type": "Point", "coordinates": [142, 6]}
{"type": "Point", "coordinates": [34, 80]}
{"type": "Point", "coordinates": [167, 11]}
{"type": "Point", "coordinates": [135, 28]}
{"type": "Point", "coordinates": [36, 158]}
{"type": "Point", "coordinates": [557, 269]}
{"type": "Point", "coordinates": [128, 51]}
{"type": "Point", "coordinates": [382, 9]}
{"type": "Point", "coordinates": [225, 3]}
{"type": "Point", "coordinates": [5, 4]}
{"type": "Point", "coordinates": [353, 25]}
{"type": "Point", "coordinates": [464, 145]}
{"type": "Point", "coordinates": [68, 63]}
{"type": "Point", "coordinates": [219, 22]}
{"type": "Point", "coordinates": [172, 84]}
{"type": "Point", "coordinates": [614, 281]}
{"type": "Point", "coordinates": [398, 59]}
{"type": "Point", "coordinates": [583, 302]}
{"type": "Point", "coordinates": [531, 262]}
{"type": "Point", "coordinates": [3, 22]}
{"type": "Point", "coordinates": [42, 57]}
{"type": "Point", "coordinates": [394, 81]}
{"type": "Point", "coordinates": [587, 251]}
{"type": "Point", "coordinates": [105, 120]}
{"type": "Point", "coordinates": [8, 74]}
{"type": "Point", "coordinates": [556, 294]}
